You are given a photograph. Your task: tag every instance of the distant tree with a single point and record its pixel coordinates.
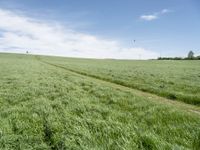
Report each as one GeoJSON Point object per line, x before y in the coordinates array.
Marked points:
{"type": "Point", "coordinates": [170, 58]}
{"type": "Point", "coordinates": [190, 55]}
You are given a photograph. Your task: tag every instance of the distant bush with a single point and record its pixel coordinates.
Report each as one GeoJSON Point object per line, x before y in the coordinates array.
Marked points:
{"type": "Point", "coordinates": [170, 58]}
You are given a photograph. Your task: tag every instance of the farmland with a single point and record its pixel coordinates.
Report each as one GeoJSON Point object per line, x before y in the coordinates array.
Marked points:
{"type": "Point", "coordinates": [176, 80]}
{"type": "Point", "coordinates": [67, 103]}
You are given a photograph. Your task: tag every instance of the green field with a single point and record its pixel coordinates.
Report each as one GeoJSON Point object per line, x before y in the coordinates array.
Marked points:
{"type": "Point", "coordinates": [64, 103]}
{"type": "Point", "coordinates": [176, 80]}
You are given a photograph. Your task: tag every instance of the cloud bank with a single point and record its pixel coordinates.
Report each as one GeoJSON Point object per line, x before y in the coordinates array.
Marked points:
{"type": "Point", "coordinates": [19, 33]}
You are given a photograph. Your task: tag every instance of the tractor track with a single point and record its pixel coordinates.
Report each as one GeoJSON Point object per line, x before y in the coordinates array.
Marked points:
{"type": "Point", "coordinates": [149, 96]}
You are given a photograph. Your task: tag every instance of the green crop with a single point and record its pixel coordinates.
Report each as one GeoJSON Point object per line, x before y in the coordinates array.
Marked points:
{"type": "Point", "coordinates": [43, 105]}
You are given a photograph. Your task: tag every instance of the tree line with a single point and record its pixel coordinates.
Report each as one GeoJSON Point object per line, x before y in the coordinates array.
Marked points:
{"type": "Point", "coordinates": [190, 56]}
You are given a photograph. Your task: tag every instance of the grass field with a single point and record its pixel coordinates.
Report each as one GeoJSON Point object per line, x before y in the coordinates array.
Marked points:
{"type": "Point", "coordinates": [176, 80]}
{"type": "Point", "coordinates": [65, 103]}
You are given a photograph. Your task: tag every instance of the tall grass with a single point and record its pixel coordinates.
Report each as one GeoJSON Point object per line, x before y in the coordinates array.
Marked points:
{"type": "Point", "coordinates": [176, 80]}
{"type": "Point", "coordinates": [44, 107]}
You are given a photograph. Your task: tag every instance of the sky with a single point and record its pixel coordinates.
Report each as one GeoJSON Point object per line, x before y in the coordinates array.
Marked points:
{"type": "Point", "coordinates": [121, 29]}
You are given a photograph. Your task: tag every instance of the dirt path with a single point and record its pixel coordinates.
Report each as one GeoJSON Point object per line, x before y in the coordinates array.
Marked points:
{"type": "Point", "coordinates": [149, 96]}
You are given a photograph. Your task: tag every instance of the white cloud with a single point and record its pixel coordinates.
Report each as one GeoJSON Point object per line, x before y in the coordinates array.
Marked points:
{"type": "Point", "coordinates": [155, 15]}
{"type": "Point", "coordinates": [164, 11]}
{"type": "Point", "coordinates": [148, 17]}
{"type": "Point", "coordinates": [19, 33]}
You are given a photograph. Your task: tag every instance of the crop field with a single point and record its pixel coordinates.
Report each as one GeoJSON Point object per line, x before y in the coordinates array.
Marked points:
{"type": "Point", "coordinates": [57, 103]}
{"type": "Point", "coordinates": [176, 80]}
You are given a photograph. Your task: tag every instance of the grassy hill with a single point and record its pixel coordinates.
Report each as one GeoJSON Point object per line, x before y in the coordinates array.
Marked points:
{"type": "Point", "coordinates": [65, 103]}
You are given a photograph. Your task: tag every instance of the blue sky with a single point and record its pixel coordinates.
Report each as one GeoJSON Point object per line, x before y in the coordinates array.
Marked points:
{"type": "Point", "coordinates": [101, 29]}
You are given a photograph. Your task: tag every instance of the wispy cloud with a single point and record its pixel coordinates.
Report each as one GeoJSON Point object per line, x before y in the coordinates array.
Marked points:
{"type": "Point", "coordinates": [148, 17]}
{"type": "Point", "coordinates": [20, 33]}
{"type": "Point", "coordinates": [155, 15]}
{"type": "Point", "coordinates": [164, 11]}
